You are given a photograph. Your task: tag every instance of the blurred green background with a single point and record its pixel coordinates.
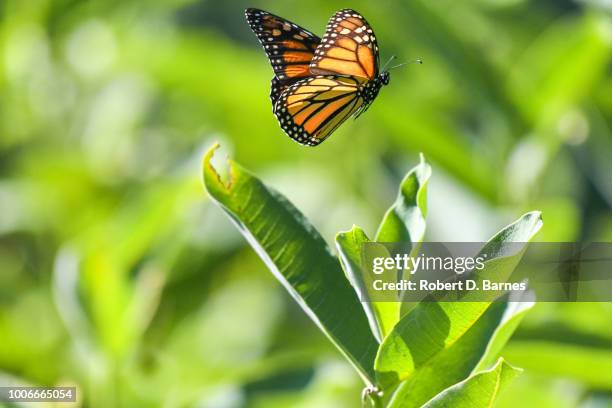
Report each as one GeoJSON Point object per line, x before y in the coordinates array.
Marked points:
{"type": "Point", "coordinates": [118, 275]}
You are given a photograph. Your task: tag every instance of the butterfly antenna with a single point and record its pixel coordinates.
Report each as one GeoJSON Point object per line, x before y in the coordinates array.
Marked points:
{"type": "Point", "coordinates": [416, 61]}
{"type": "Point", "coordinates": [388, 62]}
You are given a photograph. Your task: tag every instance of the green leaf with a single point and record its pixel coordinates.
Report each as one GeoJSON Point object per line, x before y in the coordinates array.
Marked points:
{"type": "Point", "coordinates": [513, 314]}
{"type": "Point", "coordinates": [479, 391]}
{"type": "Point", "coordinates": [382, 315]}
{"type": "Point", "coordinates": [298, 257]}
{"type": "Point", "coordinates": [521, 230]}
{"type": "Point", "coordinates": [405, 220]}
{"type": "Point", "coordinates": [426, 333]}
{"type": "Point", "coordinates": [474, 351]}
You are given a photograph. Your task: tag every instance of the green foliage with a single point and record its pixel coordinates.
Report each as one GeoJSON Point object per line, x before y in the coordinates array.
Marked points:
{"type": "Point", "coordinates": [474, 351]}
{"type": "Point", "coordinates": [405, 349]}
{"type": "Point", "coordinates": [430, 348]}
{"type": "Point", "coordinates": [481, 390]}
{"type": "Point", "coordinates": [405, 220]}
{"type": "Point", "coordinates": [299, 258]}
{"type": "Point", "coordinates": [381, 315]}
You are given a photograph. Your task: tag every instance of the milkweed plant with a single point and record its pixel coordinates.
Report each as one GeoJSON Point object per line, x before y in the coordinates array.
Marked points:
{"type": "Point", "coordinates": [432, 354]}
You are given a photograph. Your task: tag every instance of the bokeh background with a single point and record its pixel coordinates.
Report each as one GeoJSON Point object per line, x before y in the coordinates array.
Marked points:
{"type": "Point", "coordinates": [117, 273]}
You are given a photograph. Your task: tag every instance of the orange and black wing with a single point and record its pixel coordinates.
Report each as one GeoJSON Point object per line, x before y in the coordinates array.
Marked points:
{"type": "Point", "coordinates": [348, 48]}
{"type": "Point", "coordinates": [289, 47]}
{"type": "Point", "coordinates": [311, 109]}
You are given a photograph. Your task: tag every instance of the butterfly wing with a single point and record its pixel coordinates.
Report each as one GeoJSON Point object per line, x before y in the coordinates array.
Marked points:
{"type": "Point", "coordinates": [276, 88]}
{"type": "Point", "coordinates": [311, 109]}
{"type": "Point", "coordinates": [348, 48]}
{"type": "Point", "coordinates": [289, 47]}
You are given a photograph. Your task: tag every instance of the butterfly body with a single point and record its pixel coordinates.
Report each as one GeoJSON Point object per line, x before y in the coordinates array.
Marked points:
{"type": "Point", "coordinates": [319, 83]}
{"type": "Point", "coordinates": [370, 89]}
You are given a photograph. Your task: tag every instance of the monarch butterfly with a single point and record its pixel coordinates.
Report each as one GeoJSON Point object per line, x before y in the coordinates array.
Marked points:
{"type": "Point", "coordinates": [319, 83]}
